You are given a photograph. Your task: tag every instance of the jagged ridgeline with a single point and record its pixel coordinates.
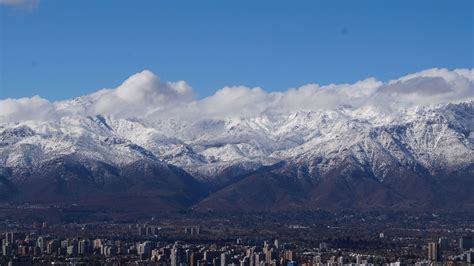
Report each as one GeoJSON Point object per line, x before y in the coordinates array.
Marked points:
{"type": "Point", "coordinates": [422, 158]}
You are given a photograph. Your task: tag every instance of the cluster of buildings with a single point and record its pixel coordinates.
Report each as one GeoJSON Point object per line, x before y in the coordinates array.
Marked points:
{"type": "Point", "coordinates": [435, 250]}
{"type": "Point", "coordinates": [29, 249]}
{"type": "Point", "coordinates": [153, 230]}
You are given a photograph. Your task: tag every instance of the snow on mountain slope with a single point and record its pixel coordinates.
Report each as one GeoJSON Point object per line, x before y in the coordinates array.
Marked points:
{"type": "Point", "coordinates": [423, 122]}
{"type": "Point", "coordinates": [436, 139]}
{"type": "Point", "coordinates": [439, 139]}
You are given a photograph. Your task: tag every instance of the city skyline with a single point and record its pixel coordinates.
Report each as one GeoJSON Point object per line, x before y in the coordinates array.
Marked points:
{"type": "Point", "coordinates": [223, 241]}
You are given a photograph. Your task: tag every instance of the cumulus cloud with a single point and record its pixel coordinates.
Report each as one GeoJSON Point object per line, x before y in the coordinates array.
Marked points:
{"type": "Point", "coordinates": [142, 94]}
{"type": "Point", "coordinates": [235, 101]}
{"type": "Point", "coordinates": [315, 97]}
{"type": "Point", "coordinates": [34, 108]}
{"type": "Point", "coordinates": [145, 96]}
{"type": "Point", "coordinates": [433, 86]}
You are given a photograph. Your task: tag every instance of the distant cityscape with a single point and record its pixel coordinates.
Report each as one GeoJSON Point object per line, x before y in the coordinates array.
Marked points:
{"type": "Point", "coordinates": [236, 133]}
{"type": "Point", "coordinates": [218, 243]}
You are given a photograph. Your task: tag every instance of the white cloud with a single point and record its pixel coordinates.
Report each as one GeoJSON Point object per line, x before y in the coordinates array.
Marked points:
{"type": "Point", "coordinates": [141, 94]}
{"type": "Point", "coordinates": [236, 102]}
{"type": "Point", "coordinates": [315, 97]}
{"type": "Point", "coordinates": [27, 4]}
{"type": "Point", "coordinates": [433, 86]}
{"type": "Point", "coordinates": [34, 108]}
{"type": "Point", "coordinates": [144, 96]}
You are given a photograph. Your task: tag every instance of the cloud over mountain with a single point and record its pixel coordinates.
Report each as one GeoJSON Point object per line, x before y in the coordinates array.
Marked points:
{"type": "Point", "coordinates": [34, 108]}
{"type": "Point", "coordinates": [145, 96]}
{"type": "Point", "coordinates": [141, 95]}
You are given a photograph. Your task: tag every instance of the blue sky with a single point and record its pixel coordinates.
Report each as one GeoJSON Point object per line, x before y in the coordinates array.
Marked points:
{"type": "Point", "coordinates": [62, 49]}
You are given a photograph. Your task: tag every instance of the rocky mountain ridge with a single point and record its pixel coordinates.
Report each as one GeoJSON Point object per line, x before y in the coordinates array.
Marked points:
{"type": "Point", "coordinates": [217, 155]}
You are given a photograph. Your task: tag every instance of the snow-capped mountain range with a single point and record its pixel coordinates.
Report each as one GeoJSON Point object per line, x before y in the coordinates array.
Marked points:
{"type": "Point", "coordinates": [420, 126]}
